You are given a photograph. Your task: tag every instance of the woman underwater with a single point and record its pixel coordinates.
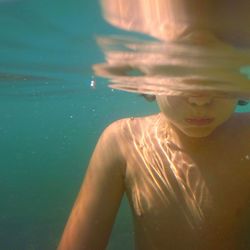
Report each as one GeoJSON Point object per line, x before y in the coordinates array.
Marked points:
{"type": "Point", "coordinates": [185, 170]}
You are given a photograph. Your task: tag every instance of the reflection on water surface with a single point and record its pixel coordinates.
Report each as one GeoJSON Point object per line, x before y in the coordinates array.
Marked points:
{"type": "Point", "coordinates": [195, 47]}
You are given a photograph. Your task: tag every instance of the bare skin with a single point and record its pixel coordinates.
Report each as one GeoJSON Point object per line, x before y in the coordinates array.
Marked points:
{"type": "Point", "coordinates": [204, 205]}
{"type": "Point", "coordinates": [185, 192]}
{"type": "Point", "coordinates": [185, 171]}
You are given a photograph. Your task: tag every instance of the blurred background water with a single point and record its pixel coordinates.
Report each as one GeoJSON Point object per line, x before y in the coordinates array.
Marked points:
{"type": "Point", "coordinates": [50, 117]}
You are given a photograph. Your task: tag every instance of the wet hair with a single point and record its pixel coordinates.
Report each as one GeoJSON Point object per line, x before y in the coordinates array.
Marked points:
{"type": "Point", "coordinates": [151, 98]}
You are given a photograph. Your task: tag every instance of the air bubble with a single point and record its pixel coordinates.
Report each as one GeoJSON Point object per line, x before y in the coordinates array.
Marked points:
{"type": "Point", "coordinates": [93, 83]}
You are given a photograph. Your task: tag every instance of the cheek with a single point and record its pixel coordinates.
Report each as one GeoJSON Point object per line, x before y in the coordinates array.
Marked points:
{"type": "Point", "coordinates": [226, 108]}
{"type": "Point", "coordinates": [175, 101]}
{"type": "Point", "coordinates": [172, 107]}
{"type": "Point", "coordinates": [169, 103]}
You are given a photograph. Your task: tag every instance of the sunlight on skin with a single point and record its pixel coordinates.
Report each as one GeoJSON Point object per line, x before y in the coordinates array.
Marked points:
{"type": "Point", "coordinates": [174, 166]}
{"type": "Point", "coordinates": [175, 179]}
{"type": "Point", "coordinates": [152, 157]}
{"type": "Point", "coordinates": [164, 163]}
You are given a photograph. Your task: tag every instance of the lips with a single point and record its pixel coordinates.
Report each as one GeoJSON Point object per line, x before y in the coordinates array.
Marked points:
{"type": "Point", "coordinates": [199, 121]}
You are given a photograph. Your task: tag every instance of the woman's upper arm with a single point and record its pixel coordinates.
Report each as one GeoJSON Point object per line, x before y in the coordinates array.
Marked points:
{"type": "Point", "coordinates": [96, 206]}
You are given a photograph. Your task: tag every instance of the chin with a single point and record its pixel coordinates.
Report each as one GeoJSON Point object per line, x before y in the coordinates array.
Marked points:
{"type": "Point", "coordinates": [198, 132]}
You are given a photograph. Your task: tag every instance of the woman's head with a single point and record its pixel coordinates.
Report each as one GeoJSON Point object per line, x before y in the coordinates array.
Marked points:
{"type": "Point", "coordinates": [196, 115]}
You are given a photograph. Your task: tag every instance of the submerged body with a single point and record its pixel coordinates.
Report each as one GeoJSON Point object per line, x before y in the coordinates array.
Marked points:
{"type": "Point", "coordinates": [186, 170]}
{"type": "Point", "coordinates": [184, 192]}
{"type": "Point", "coordinates": [194, 196]}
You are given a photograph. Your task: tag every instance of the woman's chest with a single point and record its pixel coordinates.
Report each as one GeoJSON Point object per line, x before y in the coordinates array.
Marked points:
{"type": "Point", "coordinates": [166, 183]}
{"type": "Point", "coordinates": [189, 209]}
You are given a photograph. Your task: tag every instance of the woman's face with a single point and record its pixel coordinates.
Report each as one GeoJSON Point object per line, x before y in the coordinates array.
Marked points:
{"type": "Point", "coordinates": [196, 115]}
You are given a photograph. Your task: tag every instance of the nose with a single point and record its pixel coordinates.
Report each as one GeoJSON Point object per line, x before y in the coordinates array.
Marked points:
{"type": "Point", "coordinates": [199, 100]}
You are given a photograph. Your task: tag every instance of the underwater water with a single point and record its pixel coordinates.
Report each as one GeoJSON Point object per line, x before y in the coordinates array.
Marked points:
{"type": "Point", "coordinates": [51, 117]}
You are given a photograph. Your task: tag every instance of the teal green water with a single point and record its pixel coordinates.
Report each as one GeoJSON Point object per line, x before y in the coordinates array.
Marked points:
{"type": "Point", "coordinates": [51, 118]}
